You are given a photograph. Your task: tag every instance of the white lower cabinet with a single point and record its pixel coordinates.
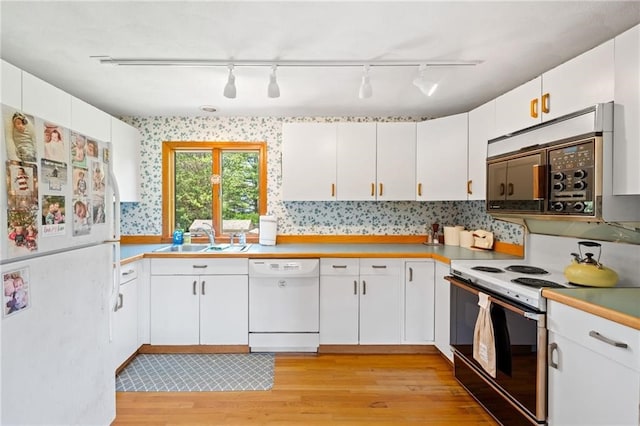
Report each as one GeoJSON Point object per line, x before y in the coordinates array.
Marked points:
{"type": "Point", "coordinates": [592, 378]}
{"type": "Point", "coordinates": [360, 301]}
{"type": "Point", "coordinates": [199, 301]}
{"type": "Point", "coordinates": [442, 317]}
{"type": "Point", "coordinates": [125, 316]}
{"type": "Point", "coordinates": [418, 301]}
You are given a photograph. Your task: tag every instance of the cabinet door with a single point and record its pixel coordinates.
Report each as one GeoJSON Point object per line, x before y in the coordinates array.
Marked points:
{"type": "Point", "coordinates": [442, 310]}
{"type": "Point", "coordinates": [224, 309]}
{"type": "Point", "coordinates": [339, 300]}
{"type": "Point", "coordinates": [174, 310]}
{"type": "Point", "coordinates": [90, 121]}
{"type": "Point", "coordinates": [11, 89]}
{"type": "Point", "coordinates": [125, 323]}
{"type": "Point", "coordinates": [442, 158]}
{"type": "Point", "coordinates": [519, 108]}
{"type": "Point", "coordinates": [587, 388]}
{"type": "Point", "coordinates": [356, 161]}
{"type": "Point", "coordinates": [380, 313]}
{"type": "Point", "coordinates": [418, 302]}
{"type": "Point", "coordinates": [45, 101]}
{"type": "Point", "coordinates": [308, 161]}
{"type": "Point", "coordinates": [481, 128]}
{"type": "Point", "coordinates": [626, 173]}
{"type": "Point", "coordinates": [125, 140]}
{"type": "Point", "coordinates": [579, 83]}
{"type": "Point", "coordinates": [396, 159]}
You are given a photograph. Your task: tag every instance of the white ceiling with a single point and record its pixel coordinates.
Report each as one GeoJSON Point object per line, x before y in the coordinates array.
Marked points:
{"type": "Point", "coordinates": [516, 41]}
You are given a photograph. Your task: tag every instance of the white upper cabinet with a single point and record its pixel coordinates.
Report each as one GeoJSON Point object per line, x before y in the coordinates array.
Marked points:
{"type": "Point", "coordinates": [626, 134]}
{"type": "Point", "coordinates": [574, 85]}
{"type": "Point", "coordinates": [481, 127]}
{"type": "Point", "coordinates": [441, 166]}
{"type": "Point", "coordinates": [518, 108]}
{"type": "Point", "coordinates": [356, 161]}
{"type": "Point", "coordinates": [43, 100]}
{"type": "Point", "coordinates": [396, 156]}
{"type": "Point", "coordinates": [579, 83]}
{"type": "Point", "coordinates": [11, 90]}
{"type": "Point", "coordinates": [125, 140]}
{"type": "Point", "coordinates": [308, 161]}
{"type": "Point", "coordinates": [348, 161]}
{"type": "Point", "coordinates": [90, 121]}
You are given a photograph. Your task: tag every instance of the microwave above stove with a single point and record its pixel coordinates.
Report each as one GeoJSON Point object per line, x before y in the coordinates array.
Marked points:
{"type": "Point", "coordinates": [560, 170]}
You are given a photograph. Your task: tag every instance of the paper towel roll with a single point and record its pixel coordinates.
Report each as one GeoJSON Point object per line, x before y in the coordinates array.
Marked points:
{"type": "Point", "coordinates": [451, 236]}
{"type": "Point", "coordinates": [466, 239]}
{"type": "Point", "coordinates": [268, 230]}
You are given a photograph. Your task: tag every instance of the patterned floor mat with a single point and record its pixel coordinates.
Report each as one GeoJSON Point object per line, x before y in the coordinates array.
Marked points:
{"type": "Point", "coordinates": [197, 373]}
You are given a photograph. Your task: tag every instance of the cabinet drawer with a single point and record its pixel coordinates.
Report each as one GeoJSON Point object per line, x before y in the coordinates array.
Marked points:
{"type": "Point", "coordinates": [338, 266]}
{"type": "Point", "coordinates": [381, 267]}
{"type": "Point", "coordinates": [199, 266]}
{"type": "Point", "coordinates": [128, 272]}
{"type": "Point", "coordinates": [581, 327]}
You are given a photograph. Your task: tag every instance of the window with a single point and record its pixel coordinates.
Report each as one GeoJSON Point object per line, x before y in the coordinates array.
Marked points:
{"type": "Point", "coordinates": [221, 183]}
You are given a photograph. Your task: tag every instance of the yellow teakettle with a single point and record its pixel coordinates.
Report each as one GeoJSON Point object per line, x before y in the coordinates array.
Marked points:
{"type": "Point", "coordinates": [588, 271]}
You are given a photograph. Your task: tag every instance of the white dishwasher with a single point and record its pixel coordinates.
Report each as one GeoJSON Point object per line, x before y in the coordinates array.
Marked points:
{"type": "Point", "coordinates": [284, 305]}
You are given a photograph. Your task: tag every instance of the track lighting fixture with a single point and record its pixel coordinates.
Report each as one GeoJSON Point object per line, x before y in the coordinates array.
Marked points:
{"type": "Point", "coordinates": [365, 87]}
{"type": "Point", "coordinates": [273, 90]}
{"type": "Point", "coordinates": [230, 87]}
{"type": "Point", "coordinates": [427, 87]}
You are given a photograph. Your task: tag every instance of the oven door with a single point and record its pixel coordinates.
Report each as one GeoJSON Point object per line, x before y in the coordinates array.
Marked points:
{"type": "Point", "coordinates": [517, 184]}
{"type": "Point", "coordinates": [521, 341]}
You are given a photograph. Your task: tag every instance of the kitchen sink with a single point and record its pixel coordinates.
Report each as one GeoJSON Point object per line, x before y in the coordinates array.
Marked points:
{"type": "Point", "coordinates": [184, 248]}
{"type": "Point", "coordinates": [204, 248]}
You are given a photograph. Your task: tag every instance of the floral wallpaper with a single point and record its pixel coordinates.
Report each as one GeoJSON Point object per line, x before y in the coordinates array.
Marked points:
{"type": "Point", "coordinates": [294, 218]}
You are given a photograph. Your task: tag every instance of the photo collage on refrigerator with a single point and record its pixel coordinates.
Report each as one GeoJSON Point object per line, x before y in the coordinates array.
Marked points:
{"type": "Point", "coordinates": [56, 181]}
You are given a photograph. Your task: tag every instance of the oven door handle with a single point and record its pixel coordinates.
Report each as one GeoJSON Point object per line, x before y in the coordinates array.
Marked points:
{"type": "Point", "coordinates": [512, 308]}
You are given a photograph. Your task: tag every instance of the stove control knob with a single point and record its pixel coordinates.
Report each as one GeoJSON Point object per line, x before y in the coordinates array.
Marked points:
{"type": "Point", "coordinates": [580, 174]}
{"type": "Point", "coordinates": [579, 206]}
{"type": "Point", "coordinates": [558, 186]}
{"type": "Point", "coordinates": [559, 176]}
{"type": "Point", "coordinates": [580, 185]}
{"type": "Point", "coordinates": [558, 206]}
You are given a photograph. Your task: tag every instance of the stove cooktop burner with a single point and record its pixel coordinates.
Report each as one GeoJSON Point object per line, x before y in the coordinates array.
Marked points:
{"type": "Point", "coordinates": [535, 282]}
{"type": "Point", "coordinates": [487, 269]}
{"type": "Point", "coordinates": [526, 269]}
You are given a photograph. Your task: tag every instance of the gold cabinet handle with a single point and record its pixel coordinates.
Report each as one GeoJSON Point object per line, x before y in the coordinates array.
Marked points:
{"type": "Point", "coordinates": [333, 189]}
{"type": "Point", "coordinates": [373, 189]}
{"type": "Point", "coordinates": [419, 190]}
{"type": "Point", "coordinates": [469, 190]}
{"type": "Point", "coordinates": [533, 108]}
{"type": "Point", "coordinates": [380, 194]}
{"type": "Point", "coordinates": [545, 103]}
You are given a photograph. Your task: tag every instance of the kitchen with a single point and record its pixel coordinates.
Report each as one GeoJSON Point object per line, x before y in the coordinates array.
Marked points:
{"type": "Point", "coordinates": [299, 218]}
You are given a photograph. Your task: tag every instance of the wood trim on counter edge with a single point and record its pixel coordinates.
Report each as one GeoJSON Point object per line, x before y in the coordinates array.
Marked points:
{"type": "Point", "coordinates": [609, 314]}
{"type": "Point", "coordinates": [499, 246]}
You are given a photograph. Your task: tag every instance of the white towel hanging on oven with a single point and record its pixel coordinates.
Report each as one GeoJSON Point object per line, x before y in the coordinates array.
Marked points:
{"type": "Point", "coordinates": [484, 344]}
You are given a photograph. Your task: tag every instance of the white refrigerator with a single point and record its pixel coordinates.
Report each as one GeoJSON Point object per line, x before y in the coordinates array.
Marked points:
{"type": "Point", "coordinates": [60, 267]}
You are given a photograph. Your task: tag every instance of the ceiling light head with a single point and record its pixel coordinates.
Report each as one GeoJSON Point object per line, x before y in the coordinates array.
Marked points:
{"type": "Point", "coordinates": [230, 87]}
{"type": "Point", "coordinates": [365, 87]}
{"type": "Point", "coordinates": [427, 87]}
{"type": "Point", "coordinates": [273, 90]}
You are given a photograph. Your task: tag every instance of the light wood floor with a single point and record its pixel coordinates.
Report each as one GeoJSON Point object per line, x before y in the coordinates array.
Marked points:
{"type": "Point", "coordinates": [322, 390]}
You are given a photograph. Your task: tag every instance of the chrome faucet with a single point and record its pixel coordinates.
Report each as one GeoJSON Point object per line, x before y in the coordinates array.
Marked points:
{"type": "Point", "coordinates": [210, 232]}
